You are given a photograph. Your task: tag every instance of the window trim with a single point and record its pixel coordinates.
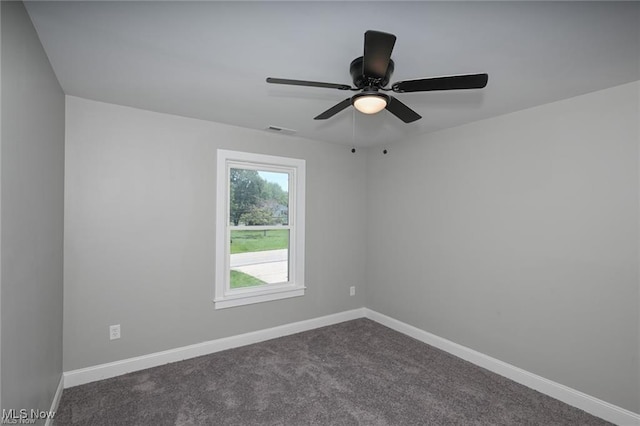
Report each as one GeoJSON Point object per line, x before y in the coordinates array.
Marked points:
{"type": "Point", "coordinates": [223, 295]}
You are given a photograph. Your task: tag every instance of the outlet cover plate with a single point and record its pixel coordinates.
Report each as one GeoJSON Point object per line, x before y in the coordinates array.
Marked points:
{"type": "Point", "coordinates": [114, 332]}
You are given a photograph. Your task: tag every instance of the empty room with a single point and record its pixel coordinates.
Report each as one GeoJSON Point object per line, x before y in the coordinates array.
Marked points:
{"type": "Point", "coordinates": [320, 212]}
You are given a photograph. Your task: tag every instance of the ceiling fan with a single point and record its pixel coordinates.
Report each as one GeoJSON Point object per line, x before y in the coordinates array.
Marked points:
{"type": "Point", "coordinates": [371, 73]}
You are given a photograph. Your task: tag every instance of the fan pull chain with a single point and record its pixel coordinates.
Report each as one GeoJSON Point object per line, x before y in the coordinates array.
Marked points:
{"type": "Point", "coordinates": [353, 130]}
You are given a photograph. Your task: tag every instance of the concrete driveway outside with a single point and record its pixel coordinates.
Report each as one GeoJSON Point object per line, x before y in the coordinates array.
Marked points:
{"type": "Point", "coordinates": [270, 266]}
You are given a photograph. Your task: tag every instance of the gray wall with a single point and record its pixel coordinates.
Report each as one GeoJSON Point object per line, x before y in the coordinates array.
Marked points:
{"type": "Point", "coordinates": [31, 186]}
{"type": "Point", "coordinates": [140, 231]}
{"type": "Point", "coordinates": [518, 237]}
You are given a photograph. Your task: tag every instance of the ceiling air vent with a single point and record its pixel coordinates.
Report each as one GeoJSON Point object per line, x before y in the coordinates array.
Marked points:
{"type": "Point", "coordinates": [282, 130]}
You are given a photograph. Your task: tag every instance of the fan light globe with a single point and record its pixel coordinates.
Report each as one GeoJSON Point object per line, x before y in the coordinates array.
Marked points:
{"type": "Point", "coordinates": [371, 104]}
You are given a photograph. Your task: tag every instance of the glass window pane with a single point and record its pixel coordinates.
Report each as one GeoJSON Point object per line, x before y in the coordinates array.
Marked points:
{"type": "Point", "coordinates": [258, 198]}
{"type": "Point", "coordinates": [259, 257]}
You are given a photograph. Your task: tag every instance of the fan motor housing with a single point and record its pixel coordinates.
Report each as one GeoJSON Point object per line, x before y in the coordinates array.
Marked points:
{"type": "Point", "coordinates": [360, 80]}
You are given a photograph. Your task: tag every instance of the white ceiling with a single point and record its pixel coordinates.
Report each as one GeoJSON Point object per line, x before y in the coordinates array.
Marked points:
{"type": "Point", "coordinates": [209, 60]}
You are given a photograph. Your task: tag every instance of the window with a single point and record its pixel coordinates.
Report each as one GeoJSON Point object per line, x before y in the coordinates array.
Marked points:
{"type": "Point", "coordinates": [259, 227]}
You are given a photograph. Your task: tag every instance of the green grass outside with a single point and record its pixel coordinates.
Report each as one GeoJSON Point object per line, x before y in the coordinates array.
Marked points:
{"type": "Point", "coordinates": [246, 241]}
{"type": "Point", "coordinates": [240, 279]}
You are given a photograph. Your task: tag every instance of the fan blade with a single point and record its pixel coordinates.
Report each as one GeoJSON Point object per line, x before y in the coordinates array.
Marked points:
{"type": "Point", "coordinates": [377, 52]}
{"type": "Point", "coordinates": [402, 111]}
{"type": "Point", "coordinates": [454, 82]}
{"type": "Point", "coordinates": [334, 110]}
{"type": "Point", "coordinates": [308, 83]}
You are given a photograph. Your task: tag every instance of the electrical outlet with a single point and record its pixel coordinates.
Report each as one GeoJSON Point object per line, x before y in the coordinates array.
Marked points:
{"type": "Point", "coordinates": [114, 331]}
{"type": "Point", "coordinates": [352, 290]}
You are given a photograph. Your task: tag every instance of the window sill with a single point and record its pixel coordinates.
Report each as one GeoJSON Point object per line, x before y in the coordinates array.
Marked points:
{"type": "Point", "coordinates": [231, 301]}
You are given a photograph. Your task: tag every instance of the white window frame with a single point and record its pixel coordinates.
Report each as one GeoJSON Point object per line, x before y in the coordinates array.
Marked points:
{"type": "Point", "coordinates": [224, 296]}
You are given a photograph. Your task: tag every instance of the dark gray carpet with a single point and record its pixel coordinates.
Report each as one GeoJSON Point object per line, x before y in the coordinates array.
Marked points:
{"type": "Point", "coordinates": [353, 373]}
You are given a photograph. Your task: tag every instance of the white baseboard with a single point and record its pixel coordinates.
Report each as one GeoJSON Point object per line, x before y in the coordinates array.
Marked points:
{"type": "Point", "coordinates": [591, 405]}
{"type": "Point", "coordinates": [55, 402]}
{"type": "Point", "coordinates": [117, 368]}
